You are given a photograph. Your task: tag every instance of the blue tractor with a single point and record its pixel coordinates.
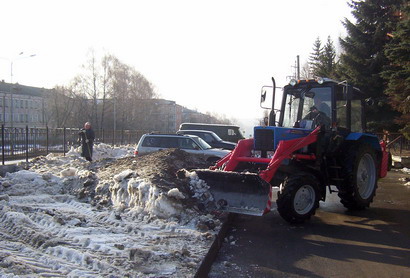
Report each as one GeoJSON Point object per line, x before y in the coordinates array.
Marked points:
{"type": "Point", "coordinates": [316, 141]}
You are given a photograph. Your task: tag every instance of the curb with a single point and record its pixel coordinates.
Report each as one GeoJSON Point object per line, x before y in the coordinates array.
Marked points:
{"type": "Point", "coordinates": [210, 257]}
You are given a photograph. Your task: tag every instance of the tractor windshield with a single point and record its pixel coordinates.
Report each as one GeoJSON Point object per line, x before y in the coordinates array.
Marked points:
{"type": "Point", "coordinates": [306, 103]}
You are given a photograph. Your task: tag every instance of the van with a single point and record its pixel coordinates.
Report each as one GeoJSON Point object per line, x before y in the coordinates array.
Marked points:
{"type": "Point", "coordinates": [229, 133]}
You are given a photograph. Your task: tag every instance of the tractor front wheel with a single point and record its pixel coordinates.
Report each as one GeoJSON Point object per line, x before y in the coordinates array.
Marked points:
{"type": "Point", "coordinates": [299, 198]}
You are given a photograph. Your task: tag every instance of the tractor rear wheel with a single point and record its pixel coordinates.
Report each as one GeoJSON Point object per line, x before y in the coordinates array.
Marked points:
{"type": "Point", "coordinates": [299, 198]}
{"type": "Point", "coordinates": [360, 186]}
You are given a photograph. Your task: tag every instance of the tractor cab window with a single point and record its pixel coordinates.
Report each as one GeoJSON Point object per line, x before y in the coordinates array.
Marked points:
{"type": "Point", "coordinates": [341, 107]}
{"type": "Point", "coordinates": [314, 103]}
{"type": "Point", "coordinates": [316, 107]}
{"type": "Point", "coordinates": [349, 108]}
{"type": "Point", "coordinates": [292, 101]}
{"type": "Point", "coordinates": [356, 125]}
{"type": "Point", "coordinates": [319, 99]}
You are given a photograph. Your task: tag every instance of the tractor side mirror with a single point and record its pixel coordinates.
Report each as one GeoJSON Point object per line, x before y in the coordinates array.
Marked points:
{"type": "Point", "coordinates": [263, 97]}
{"type": "Point", "coordinates": [266, 94]}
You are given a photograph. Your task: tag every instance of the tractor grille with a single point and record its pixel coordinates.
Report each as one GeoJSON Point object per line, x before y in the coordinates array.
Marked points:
{"type": "Point", "coordinates": [264, 139]}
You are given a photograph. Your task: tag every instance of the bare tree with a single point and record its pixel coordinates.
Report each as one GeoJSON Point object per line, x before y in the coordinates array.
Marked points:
{"type": "Point", "coordinates": [89, 78]}
{"type": "Point", "coordinates": [106, 64]}
{"type": "Point", "coordinates": [306, 72]}
{"type": "Point", "coordinates": [60, 106]}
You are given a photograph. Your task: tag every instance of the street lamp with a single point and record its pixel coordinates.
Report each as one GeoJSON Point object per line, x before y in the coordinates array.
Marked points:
{"type": "Point", "coordinates": [19, 57]}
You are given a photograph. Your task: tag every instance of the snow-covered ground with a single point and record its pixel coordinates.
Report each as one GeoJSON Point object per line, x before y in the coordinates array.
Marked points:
{"type": "Point", "coordinates": [118, 216]}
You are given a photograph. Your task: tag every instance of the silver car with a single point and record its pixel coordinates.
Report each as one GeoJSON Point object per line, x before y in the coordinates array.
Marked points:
{"type": "Point", "coordinates": [189, 143]}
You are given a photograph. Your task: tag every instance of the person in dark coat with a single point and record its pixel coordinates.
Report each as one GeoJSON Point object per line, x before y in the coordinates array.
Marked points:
{"type": "Point", "coordinates": [87, 137]}
{"type": "Point", "coordinates": [319, 113]}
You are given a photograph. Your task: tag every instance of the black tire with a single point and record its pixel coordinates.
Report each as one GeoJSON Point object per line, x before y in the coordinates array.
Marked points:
{"type": "Point", "coordinates": [299, 198]}
{"type": "Point", "coordinates": [212, 160]}
{"type": "Point", "coordinates": [360, 185]}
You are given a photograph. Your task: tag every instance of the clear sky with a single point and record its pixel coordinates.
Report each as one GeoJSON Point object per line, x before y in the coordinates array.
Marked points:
{"type": "Point", "coordinates": [210, 55]}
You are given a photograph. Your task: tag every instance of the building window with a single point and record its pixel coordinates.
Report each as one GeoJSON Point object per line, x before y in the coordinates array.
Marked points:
{"type": "Point", "coordinates": [26, 102]}
{"type": "Point", "coordinates": [21, 103]}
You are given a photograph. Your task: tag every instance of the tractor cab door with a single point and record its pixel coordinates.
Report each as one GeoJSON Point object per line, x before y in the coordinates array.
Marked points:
{"type": "Point", "coordinates": [349, 109]}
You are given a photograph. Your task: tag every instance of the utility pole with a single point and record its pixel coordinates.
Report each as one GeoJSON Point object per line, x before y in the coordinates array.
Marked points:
{"type": "Point", "coordinates": [295, 69]}
{"type": "Point", "coordinates": [115, 118]}
{"type": "Point", "coordinates": [298, 67]}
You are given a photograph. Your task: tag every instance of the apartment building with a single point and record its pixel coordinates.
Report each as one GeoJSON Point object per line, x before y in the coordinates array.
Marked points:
{"type": "Point", "coordinates": [159, 115]}
{"type": "Point", "coordinates": [22, 105]}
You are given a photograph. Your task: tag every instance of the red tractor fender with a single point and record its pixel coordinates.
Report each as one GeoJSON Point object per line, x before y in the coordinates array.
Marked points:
{"type": "Point", "coordinates": [385, 160]}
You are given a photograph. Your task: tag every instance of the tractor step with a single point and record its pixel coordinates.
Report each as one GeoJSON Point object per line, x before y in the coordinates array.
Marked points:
{"type": "Point", "coordinates": [333, 190]}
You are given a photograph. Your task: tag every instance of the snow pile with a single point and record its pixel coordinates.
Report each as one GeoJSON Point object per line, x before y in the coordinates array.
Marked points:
{"type": "Point", "coordinates": [175, 193]}
{"type": "Point", "coordinates": [102, 151]}
{"type": "Point", "coordinates": [200, 188]}
{"type": "Point", "coordinates": [144, 197]}
{"type": "Point", "coordinates": [17, 183]}
{"type": "Point", "coordinates": [406, 170]}
{"type": "Point", "coordinates": [109, 218]}
{"type": "Point", "coordinates": [405, 180]}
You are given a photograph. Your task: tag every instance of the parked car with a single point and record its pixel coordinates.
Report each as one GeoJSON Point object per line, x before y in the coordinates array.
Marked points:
{"type": "Point", "coordinates": [229, 133]}
{"type": "Point", "coordinates": [211, 138]}
{"type": "Point", "coordinates": [189, 143]}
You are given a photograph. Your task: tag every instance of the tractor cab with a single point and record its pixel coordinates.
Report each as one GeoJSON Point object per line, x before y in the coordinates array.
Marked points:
{"type": "Point", "coordinates": [309, 103]}
{"type": "Point", "coordinates": [335, 107]}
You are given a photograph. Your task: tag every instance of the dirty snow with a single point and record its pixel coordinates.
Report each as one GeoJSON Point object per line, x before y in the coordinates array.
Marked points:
{"type": "Point", "coordinates": [406, 170]}
{"type": "Point", "coordinates": [118, 216]}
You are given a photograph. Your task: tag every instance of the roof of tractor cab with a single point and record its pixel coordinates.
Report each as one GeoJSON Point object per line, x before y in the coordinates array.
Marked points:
{"type": "Point", "coordinates": [320, 81]}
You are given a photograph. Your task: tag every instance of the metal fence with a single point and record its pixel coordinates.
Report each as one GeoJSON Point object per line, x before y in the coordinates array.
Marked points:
{"type": "Point", "coordinates": [24, 143]}
{"type": "Point", "coordinates": [397, 144]}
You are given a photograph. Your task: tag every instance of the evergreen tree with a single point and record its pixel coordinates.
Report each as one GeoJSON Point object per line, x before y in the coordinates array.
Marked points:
{"type": "Point", "coordinates": [314, 58]}
{"type": "Point", "coordinates": [397, 72]}
{"type": "Point", "coordinates": [327, 60]}
{"type": "Point", "coordinates": [322, 60]}
{"type": "Point", "coordinates": [363, 55]}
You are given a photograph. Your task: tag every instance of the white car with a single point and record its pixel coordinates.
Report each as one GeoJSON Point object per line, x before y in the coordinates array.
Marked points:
{"type": "Point", "coordinates": [189, 143]}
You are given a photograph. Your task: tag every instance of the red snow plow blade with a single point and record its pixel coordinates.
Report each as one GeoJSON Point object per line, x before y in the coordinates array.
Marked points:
{"type": "Point", "coordinates": [237, 192]}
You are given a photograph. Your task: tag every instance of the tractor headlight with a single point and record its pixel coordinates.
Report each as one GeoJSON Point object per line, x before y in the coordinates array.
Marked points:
{"type": "Point", "coordinates": [293, 82]}
{"type": "Point", "coordinates": [320, 80]}
{"type": "Point", "coordinates": [256, 153]}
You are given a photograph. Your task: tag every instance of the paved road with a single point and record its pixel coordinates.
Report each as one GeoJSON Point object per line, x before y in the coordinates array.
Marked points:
{"type": "Point", "coordinates": [335, 243]}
